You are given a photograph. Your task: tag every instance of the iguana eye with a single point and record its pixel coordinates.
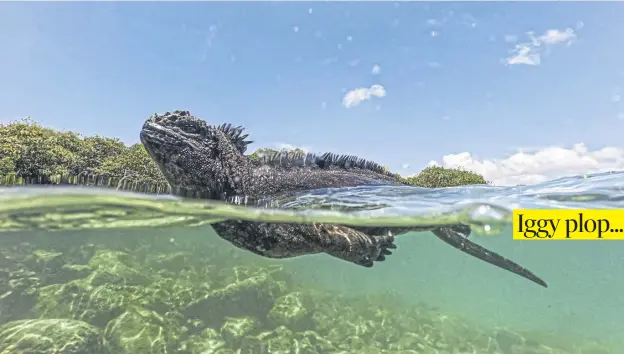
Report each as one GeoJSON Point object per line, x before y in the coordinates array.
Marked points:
{"type": "Point", "coordinates": [186, 126]}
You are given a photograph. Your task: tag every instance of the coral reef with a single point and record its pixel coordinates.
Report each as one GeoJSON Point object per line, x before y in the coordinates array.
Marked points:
{"type": "Point", "coordinates": [107, 293]}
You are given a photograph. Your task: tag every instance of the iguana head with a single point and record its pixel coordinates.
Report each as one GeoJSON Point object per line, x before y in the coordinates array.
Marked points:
{"type": "Point", "coordinates": [197, 159]}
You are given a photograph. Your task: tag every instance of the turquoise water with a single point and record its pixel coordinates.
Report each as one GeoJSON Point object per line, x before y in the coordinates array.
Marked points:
{"type": "Point", "coordinates": [582, 303]}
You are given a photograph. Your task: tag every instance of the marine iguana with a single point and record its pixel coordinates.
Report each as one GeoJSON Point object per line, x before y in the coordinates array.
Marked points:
{"type": "Point", "coordinates": [208, 161]}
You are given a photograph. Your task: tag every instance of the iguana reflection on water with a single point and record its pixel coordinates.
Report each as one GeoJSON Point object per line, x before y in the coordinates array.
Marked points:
{"type": "Point", "coordinates": [208, 161]}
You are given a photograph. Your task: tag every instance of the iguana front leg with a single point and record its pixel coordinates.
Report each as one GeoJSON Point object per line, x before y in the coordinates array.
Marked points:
{"type": "Point", "coordinates": [352, 245]}
{"type": "Point", "coordinates": [278, 240]}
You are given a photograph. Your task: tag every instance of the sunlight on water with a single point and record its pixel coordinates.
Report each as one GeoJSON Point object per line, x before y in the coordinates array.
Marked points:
{"type": "Point", "coordinates": [150, 276]}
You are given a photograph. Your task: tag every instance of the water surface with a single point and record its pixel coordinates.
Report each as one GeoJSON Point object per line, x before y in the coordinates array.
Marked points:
{"type": "Point", "coordinates": [87, 226]}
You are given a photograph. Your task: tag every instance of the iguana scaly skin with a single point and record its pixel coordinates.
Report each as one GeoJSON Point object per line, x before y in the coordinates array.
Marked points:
{"type": "Point", "coordinates": [207, 161]}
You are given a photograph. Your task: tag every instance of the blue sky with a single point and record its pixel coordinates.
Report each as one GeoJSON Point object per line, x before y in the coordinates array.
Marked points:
{"type": "Point", "coordinates": [451, 91]}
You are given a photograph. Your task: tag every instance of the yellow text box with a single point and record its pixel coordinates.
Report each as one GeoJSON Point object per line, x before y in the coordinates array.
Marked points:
{"type": "Point", "coordinates": [568, 224]}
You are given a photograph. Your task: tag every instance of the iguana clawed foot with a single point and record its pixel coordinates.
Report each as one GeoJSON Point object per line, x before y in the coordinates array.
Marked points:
{"type": "Point", "coordinates": [355, 246]}
{"type": "Point", "coordinates": [380, 248]}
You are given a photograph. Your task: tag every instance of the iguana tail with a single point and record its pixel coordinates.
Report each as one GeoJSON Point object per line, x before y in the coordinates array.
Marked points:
{"type": "Point", "coordinates": [457, 236]}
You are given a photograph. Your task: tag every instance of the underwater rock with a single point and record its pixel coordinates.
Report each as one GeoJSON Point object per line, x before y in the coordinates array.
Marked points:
{"type": "Point", "coordinates": [234, 329]}
{"type": "Point", "coordinates": [253, 297]}
{"type": "Point", "coordinates": [353, 343]}
{"type": "Point", "coordinates": [173, 263]}
{"type": "Point", "coordinates": [165, 299]}
{"type": "Point", "coordinates": [139, 330]}
{"type": "Point", "coordinates": [78, 300]}
{"type": "Point", "coordinates": [208, 341]}
{"type": "Point", "coordinates": [511, 342]}
{"type": "Point", "coordinates": [343, 327]}
{"type": "Point", "coordinates": [20, 290]}
{"type": "Point", "coordinates": [97, 305]}
{"type": "Point", "coordinates": [226, 276]}
{"type": "Point", "coordinates": [53, 267]}
{"type": "Point", "coordinates": [484, 343]}
{"type": "Point", "coordinates": [324, 318]}
{"type": "Point", "coordinates": [278, 341]}
{"type": "Point", "coordinates": [253, 345]}
{"type": "Point", "coordinates": [312, 342]}
{"type": "Point", "coordinates": [408, 341]}
{"type": "Point", "coordinates": [165, 295]}
{"type": "Point", "coordinates": [115, 267]}
{"type": "Point", "coordinates": [284, 341]}
{"type": "Point", "coordinates": [81, 253]}
{"type": "Point", "coordinates": [74, 271]}
{"type": "Point", "coordinates": [386, 335]}
{"type": "Point", "coordinates": [43, 261]}
{"type": "Point", "coordinates": [336, 318]}
{"type": "Point", "coordinates": [13, 255]}
{"type": "Point", "coordinates": [50, 336]}
{"type": "Point", "coordinates": [293, 310]}
{"type": "Point", "coordinates": [507, 340]}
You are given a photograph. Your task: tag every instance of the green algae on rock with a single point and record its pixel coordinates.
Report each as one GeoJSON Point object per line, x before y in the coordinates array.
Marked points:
{"type": "Point", "coordinates": [139, 330]}
{"type": "Point", "coordinates": [293, 310]}
{"type": "Point", "coordinates": [207, 341]}
{"type": "Point", "coordinates": [127, 296]}
{"type": "Point", "coordinates": [252, 296]}
{"type": "Point", "coordinates": [235, 329]}
{"type": "Point", "coordinates": [19, 290]}
{"type": "Point", "coordinates": [50, 336]}
{"type": "Point", "coordinates": [115, 268]}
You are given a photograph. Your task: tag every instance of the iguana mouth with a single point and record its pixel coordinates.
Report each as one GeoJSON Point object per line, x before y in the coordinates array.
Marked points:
{"type": "Point", "coordinates": [156, 137]}
{"type": "Point", "coordinates": [153, 141]}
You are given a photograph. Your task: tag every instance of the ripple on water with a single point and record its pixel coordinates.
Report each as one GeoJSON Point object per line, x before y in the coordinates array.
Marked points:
{"type": "Point", "coordinates": [487, 208]}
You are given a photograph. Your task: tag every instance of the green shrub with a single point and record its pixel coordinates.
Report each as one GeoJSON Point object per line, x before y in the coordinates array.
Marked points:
{"type": "Point", "coordinates": [30, 150]}
{"type": "Point", "coordinates": [439, 177]}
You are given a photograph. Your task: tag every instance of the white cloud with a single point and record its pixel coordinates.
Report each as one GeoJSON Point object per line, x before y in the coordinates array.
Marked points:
{"type": "Point", "coordinates": [376, 69]}
{"type": "Point", "coordinates": [286, 146]}
{"type": "Point", "coordinates": [405, 165]}
{"type": "Point", "coordinates": [529, 53]}
{"type": "Point", "coordinates": [555, 36]}
{"type": "Point", "coordinates": [355, 96]}
{"type": "Point", "coordinates": [539, 165]}
{"type": "Point", "coordinates": [524, 54]}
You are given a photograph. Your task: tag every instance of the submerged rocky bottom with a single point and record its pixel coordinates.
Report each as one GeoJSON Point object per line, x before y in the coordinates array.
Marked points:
{"type": "Point", "coordinates": [105, 292]}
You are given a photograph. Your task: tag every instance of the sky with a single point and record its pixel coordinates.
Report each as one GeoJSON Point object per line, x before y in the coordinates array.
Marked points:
{"type": "Point", "coordinates": [520, 92]}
